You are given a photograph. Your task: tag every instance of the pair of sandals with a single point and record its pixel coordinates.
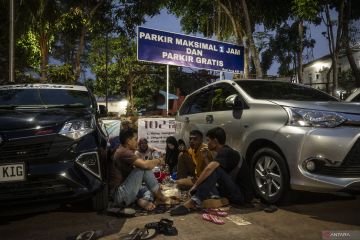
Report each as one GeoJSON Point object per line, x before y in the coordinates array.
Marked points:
{"type": "Point", "coordinates": [164, 226]}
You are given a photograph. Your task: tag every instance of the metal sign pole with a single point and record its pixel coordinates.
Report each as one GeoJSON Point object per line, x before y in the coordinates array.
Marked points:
{"type": "Point", "coordinates": [167, 90]}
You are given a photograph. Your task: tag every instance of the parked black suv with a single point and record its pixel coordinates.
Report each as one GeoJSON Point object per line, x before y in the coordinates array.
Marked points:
{"type": "Point", "coordinates": [51, 145]}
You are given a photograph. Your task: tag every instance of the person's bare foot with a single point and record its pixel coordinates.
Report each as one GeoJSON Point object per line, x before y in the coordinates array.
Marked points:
{"type": "Point", "coordinates": [145, 204]}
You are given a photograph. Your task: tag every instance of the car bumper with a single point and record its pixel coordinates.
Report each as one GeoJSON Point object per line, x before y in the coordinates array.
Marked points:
{"type": "Point", "coordinates": [56, 182]}
{"type": "Point", "coordinates": [58, 170]}
{"type": "Point", "coordinates": [335, 150]}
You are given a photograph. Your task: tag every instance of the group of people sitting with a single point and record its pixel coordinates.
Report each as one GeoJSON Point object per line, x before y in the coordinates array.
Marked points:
{"type": "Point", "coordinates": [216, 170]}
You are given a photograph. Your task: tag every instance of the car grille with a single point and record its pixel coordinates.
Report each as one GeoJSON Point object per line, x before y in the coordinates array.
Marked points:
{"type": "Point", "coordinates": [350, 166]}
{"type": "Point", "coordinates": [35, 189]}
{"type": "Point", "coordinates": [34, 149]}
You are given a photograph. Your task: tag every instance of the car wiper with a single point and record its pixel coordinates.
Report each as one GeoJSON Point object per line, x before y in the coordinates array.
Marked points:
{"type": "Point", "coordinates": [8, 106]}
{"type": "Point", "coordinates": [20, 106]}
{"type": "Point", "coordinates": [72, 105]}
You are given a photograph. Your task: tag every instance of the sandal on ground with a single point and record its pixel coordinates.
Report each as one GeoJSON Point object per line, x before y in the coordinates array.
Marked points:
{"type": "Point", "coordinates": [89, 235]}
{"type": "Point", "coordinates": [216, 212]}
{"type": "Point", "coordinates": [270, 209]}
{"type": "Point", "coordinates": [212, 218]}
{"type": "Point", "coordinates": [164, 226]}
{"type": "Point", "coordinates": [139, 234]}
{"type": "Point", "coordinates": [180, 210]}
{"type": "Point", "coordinates": [121, 212]}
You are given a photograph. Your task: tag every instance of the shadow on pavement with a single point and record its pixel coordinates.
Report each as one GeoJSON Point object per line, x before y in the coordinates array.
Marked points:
{"type": "Point", "coordinates": [54, 222]}
{"type": "Point", "coordinates": [337, 207]}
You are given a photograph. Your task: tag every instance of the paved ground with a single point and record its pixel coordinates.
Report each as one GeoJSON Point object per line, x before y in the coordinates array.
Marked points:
{"type": "Point", "coordinates": [303, 219]}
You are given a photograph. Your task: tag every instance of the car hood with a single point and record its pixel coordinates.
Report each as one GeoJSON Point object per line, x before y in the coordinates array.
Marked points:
{"type": "Point", "coordinates": [343, 107]}
{"type": "Point", "coordinates": [38, 118]}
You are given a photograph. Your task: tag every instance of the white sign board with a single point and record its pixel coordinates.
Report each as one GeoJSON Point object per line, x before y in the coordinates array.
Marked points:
{"type": "Point", "coordinates": [156, 130]}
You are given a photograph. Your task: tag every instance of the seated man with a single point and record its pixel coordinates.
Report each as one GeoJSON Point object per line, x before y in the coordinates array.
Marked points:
{"type": "Point", "coordinates": [128, 173]}
{"type": "Point", "coordinates": [199, 151]}
{"type": "Point", "coordinates": [193, 161]}
{"type": "Point", "coordinates": [216, 172]}
{"type": "Point", "coordinates": [144, 151]}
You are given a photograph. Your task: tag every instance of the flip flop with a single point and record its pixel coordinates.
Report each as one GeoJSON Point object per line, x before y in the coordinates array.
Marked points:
{"type": "Point", "coordinates": [212, 218]}
{"type": "Point", "coordinates": [216, 212]}
{"type": "Point", "coordinates": [140, 234]}
{"type": "Point", "coordinates": [89, 235]}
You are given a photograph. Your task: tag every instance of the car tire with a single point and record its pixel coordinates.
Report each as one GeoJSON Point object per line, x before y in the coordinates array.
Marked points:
{"type": "Point", "coordinates": [100, 200]}
{"type": "Point", "coordinates": [269, 175]}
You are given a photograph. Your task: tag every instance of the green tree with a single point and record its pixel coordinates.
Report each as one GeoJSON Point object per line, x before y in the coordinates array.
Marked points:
{"type": "Point", "coordinates": [139, 81]}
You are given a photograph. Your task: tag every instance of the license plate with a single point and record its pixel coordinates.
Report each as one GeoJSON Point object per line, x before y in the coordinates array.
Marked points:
{"type": "Point", "coordinates": [12, 172]}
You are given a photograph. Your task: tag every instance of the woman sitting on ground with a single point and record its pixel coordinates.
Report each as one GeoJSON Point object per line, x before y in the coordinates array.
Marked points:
{"type": "Point", "coordinates": [171, 154]}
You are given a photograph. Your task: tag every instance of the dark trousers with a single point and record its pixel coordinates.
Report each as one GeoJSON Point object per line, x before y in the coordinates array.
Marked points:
{"type": "Point", "coordinates": [227, 187]}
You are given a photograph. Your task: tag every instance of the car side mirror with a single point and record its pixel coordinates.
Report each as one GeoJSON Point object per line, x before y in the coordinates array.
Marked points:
{"type": "Point", "coordinates": [234, 102]}
{"type": "Point", "coordinates": [102, 110]}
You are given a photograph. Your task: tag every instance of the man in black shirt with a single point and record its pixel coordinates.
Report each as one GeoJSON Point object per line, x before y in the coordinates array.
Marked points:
{"type": "Point", "coordinates": [225, 164]}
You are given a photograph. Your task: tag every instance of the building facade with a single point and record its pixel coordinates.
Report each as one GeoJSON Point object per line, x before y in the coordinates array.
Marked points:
{"type": "Point", "coordinates": [314, 72]}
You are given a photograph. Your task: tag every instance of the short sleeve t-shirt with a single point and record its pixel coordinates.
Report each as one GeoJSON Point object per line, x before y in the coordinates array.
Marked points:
{"type": "Point", "coordinates": [228, 158]}
{"type": "Point", "coordinates": [122, 165]}
{"type": "Point", "coordinates": [198, 159]}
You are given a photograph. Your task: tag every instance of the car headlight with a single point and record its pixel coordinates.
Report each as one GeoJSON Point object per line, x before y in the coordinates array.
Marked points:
{"type": "Point", "coordinates": [76, 129]}
{"type": "Point", "coordinates": [313, 118]}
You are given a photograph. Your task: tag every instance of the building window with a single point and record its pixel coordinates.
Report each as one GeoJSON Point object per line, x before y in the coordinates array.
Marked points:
{"type": "Point", "coordinates": [317, 76]}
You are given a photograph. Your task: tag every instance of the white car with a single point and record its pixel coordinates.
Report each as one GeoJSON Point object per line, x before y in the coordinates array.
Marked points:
{"type": "Point", "coordinates": [354, 97]}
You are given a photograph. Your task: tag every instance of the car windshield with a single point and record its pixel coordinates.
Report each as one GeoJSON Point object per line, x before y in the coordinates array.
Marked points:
{"type": "Point", "coordinates": [43, 98]}
{"type": "Point", "coordinates": [282, 91]}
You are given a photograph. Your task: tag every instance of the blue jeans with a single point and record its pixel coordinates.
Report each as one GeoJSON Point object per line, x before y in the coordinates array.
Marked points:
{"type": "Point", "coordinates": [227, 188]}
{"type": "Point", "coordinates": [132, 189]}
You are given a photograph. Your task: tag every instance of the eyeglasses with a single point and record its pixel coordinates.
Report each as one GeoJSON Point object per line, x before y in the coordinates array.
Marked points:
{"type": "Point", "coordinates": [192, 138]}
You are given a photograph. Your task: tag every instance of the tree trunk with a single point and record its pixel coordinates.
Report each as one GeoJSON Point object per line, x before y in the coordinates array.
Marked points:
{"type": "Point", "coordinates": [346, 41]}
{"type": "Point", "coordinates": [299, 54]}
{"type": "Point", "coordinates": [82, 40]}
{"type": "Point", "coordinates": [43, 42]}
{"type": "Point", "coordinates": [239, 35]}
{"type": "Point", "coordinates": [79, 52]}
{"type": "Point", "coordinates": [246, 63]}
{"type": "Point", "coordinates": [339, 36]}
{"type": "Point", "coordinates": [334, 44]}
{"type": "Point", "coordinates": [253, 49]}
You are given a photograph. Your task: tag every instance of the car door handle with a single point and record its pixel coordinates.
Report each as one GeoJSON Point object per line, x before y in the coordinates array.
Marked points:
{"type": "Point", "coordinates": [187, 120]}
{"type": "Point", "coordinates": [209, 118]}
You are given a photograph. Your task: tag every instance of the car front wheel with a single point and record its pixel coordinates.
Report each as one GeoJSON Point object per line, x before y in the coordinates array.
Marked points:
{"type": "Point", "coordinates": [269, 175]}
